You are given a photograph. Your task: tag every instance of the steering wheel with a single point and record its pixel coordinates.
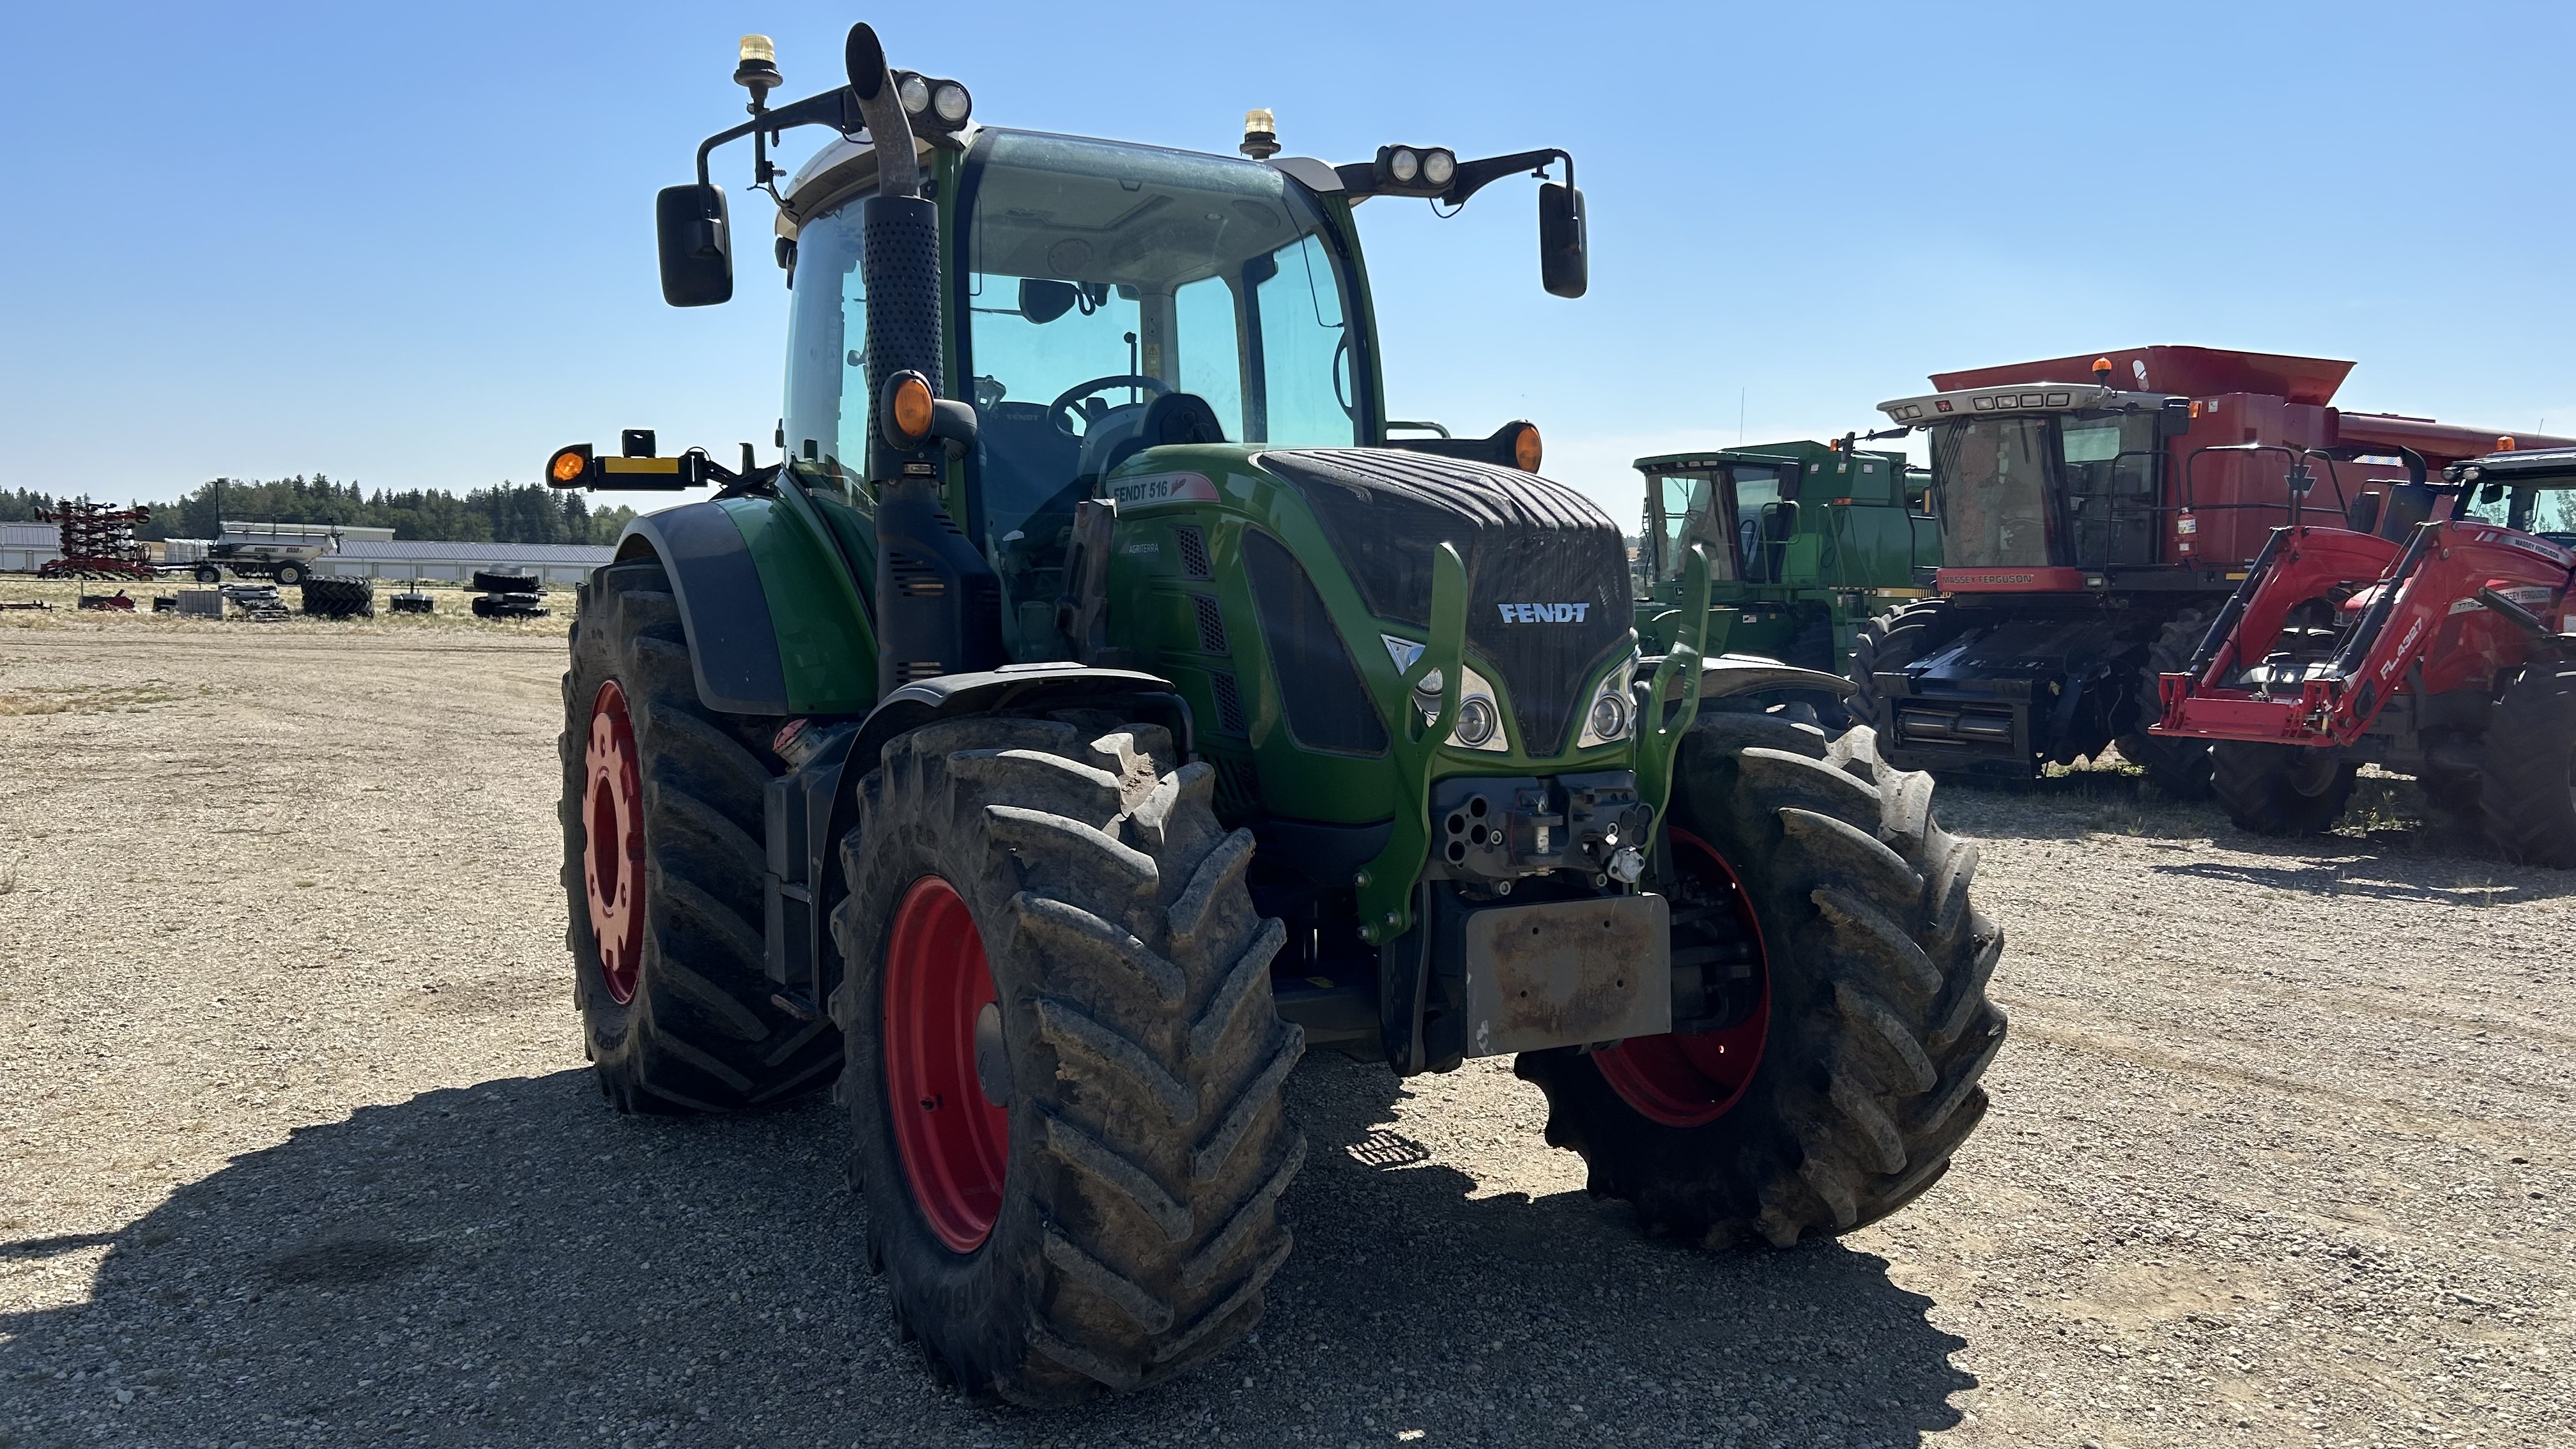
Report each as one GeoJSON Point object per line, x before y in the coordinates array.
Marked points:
{"type": "Point", "coordinates": [1061, 410]}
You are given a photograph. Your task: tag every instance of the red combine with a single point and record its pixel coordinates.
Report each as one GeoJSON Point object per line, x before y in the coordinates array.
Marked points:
{"type": "Point", "coordinates": [2436, 638]}
{"type": "Point", "coordinates": [2090, 532]}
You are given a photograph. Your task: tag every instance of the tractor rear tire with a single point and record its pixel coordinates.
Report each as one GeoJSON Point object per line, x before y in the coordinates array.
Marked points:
{"type": "Point", "coordinates": [2178, 766]}
{"type": "Point", "coordinates": [2280, 790]}
{"type": "Point", "coordinates": [1049, 917]}
{"type": "Point", "coordinates": [676, 1005]}
{"type": "Point", "coordinates": [2527, 791]}
{"type": "Point", "coordinates": [1878, 1028]}
{"type": "Point", "coordinates": [1888, 643]}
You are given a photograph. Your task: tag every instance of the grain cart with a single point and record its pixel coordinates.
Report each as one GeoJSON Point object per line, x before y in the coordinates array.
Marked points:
{"type": "Point", "coordinates": [1093, 711]}
{"type": "Point", "coordinates": [281, 551]}
{"type": "Point", "coordinates": [1806, 542]}
{"type": "Point", "coordinates": [2079, 562]}
{"type": "Point", "coordinates": [2431, 635]}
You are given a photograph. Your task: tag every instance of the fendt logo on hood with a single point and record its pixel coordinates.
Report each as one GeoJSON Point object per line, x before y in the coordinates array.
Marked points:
{"type": "Point", "coordinates": [1543, 613]}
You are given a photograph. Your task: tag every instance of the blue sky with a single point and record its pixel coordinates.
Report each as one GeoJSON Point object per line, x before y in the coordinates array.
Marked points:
{"type": "Point", "coordinates": [411, 245]}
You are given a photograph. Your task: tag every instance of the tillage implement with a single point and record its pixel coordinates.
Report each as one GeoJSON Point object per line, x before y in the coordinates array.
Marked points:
{"type": "Point", "coordinates": [1092, 709]}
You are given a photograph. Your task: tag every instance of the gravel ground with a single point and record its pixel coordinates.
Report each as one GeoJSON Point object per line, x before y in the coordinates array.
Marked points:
{"type": "Point", "coordinates": [299, 1146]}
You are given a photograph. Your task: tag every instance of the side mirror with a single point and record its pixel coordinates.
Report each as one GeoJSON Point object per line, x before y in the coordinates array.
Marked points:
{"type": "Point", "coordinates": [1042, 301]}
{"type": "Point", "coordinates": [1562, 268]}
{"type": "Point", "coordinates": [696, 243]}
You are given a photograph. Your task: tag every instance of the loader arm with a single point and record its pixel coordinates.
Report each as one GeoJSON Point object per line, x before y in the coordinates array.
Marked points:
{"type": "Point", "coordinates": [2398, 643]}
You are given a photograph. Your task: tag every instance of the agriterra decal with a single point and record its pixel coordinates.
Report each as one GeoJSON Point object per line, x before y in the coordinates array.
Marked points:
{"type": "Point", "coordinates": [1543, 613]}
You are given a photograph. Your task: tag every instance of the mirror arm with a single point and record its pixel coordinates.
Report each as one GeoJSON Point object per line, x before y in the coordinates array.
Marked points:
{"type": "Point", "coordinates": [835, 108]}
{"type": "Point", "coordinates": [1475, 176]}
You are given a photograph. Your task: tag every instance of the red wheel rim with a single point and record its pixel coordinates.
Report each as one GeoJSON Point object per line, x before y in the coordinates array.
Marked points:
{"type": "Point", "coordinates": [1691, 1081]}
{"type": "Point", "coordinates": [612, 845]}
{"type": "Point", "coordinates": [953, 1141]}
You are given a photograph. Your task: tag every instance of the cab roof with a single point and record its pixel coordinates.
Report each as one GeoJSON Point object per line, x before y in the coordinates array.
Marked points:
{"type": "Point", "coordinates": [2538, 468]}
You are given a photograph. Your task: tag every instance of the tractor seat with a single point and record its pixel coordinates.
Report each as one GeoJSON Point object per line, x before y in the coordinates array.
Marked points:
{"type": "Point", "coordinates": [1174, 417]}
{"type": "Point", "coordinates": [2408, 505]}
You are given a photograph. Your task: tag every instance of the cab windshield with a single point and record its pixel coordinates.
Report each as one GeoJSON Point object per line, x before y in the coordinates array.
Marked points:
{"type": "Point", "coordinates": [1999, 480]}
{"type": "Point", "coordinates": [2549, 512]}
{"type": "Point", "coordinates": [1691, 508]}
{"type": "Point", "coordinates": [1990, 488]}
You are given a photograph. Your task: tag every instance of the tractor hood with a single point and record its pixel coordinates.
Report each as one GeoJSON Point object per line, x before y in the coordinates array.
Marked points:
{"type": "Point", "coordinates": [1547, 570]}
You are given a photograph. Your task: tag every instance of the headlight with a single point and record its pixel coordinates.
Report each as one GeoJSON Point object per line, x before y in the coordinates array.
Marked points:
{"type": "Point", "coordinates": [1404, 165]}
{"type": "Point", "coordinates": [951, 103]}
{"type": "Point", "coordinates": [1438, 167]}
{"type": "Point", "coordinates": [1609, 717]}
{"type": "Point", "coordinates": [1612, 712]}
{"type": "Point", "coordinates": [1477, 721]}
{"type": "Point", "coordinates": [1479, 725]}
{"type": "Point", "coordinates": [914, 92]}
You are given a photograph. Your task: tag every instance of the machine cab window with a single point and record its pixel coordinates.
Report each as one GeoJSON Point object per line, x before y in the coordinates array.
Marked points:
{"type": "Point", "coordinates": [1692, 507]}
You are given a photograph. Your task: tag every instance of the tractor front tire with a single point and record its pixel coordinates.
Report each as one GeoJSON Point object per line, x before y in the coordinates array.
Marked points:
{"type": "Point", "coordinates": [2178, 766]}
{"type": "Point", "coordinates": [661, 815]}
{"type": "Point", "coordinates": [1874, 1027]}
{"type": "Point", "coordinates": [1887, 644]}
{"type": "Point", "coordinates": [2280, 790]}
{"type": "Point", "coordinates": [2527, 793]}
{"type": "Point", "coordinates": [1064, 1071]}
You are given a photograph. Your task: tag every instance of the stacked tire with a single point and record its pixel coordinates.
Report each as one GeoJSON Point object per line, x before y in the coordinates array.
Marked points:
{"type": "Point", "coordinates": [329, 598]}
{"type": "Point", "coordinates": [508, 595]}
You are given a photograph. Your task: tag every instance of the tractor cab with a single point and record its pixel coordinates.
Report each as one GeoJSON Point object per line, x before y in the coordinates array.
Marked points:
{"type": "Point", "coordinates": [2047, 476]}
{"type": "Point", "coordinates": [1803, 539]}
{"type": "Point", "coordinates": [2529, 492]}
{"type": "Point", "coordinates": [1111, 297]}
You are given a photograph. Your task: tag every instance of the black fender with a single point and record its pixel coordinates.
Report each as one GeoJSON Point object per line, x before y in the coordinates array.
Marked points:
{"type": "Point", "coordinates": [809, 809]}
{"type": "Point", "coordinates": [733, 641]}
{"type": "Point", "coordinates": [1021, 686]}
{"type": "Point", "coordinates": [1728, 675]}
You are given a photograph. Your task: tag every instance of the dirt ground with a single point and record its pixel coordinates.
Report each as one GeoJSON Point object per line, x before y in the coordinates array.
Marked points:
{"type": "Point", "coordinates": [297, 1145]}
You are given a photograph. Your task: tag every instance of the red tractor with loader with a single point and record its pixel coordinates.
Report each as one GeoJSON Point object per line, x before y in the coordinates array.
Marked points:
{"type": "Point", "coordinates": [2432, 636]}
{"type": "Point", "coordinates": [2090, 533]}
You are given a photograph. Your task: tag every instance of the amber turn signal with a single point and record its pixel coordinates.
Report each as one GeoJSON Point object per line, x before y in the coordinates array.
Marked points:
{"type": "Point", "coordinates": [569, 467]}
{"type": "Point", "coordinates": [1526, 451]}
{"type": "Point", "coordinates": [908, 412]}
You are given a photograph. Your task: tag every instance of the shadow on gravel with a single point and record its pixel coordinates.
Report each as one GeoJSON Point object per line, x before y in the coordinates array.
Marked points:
{"type": "Point", "coordinates": [512, 1264]}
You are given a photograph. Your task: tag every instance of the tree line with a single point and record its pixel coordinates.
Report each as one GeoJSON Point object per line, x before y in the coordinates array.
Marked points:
{"type": "Point", "coordinates": [503, 513]}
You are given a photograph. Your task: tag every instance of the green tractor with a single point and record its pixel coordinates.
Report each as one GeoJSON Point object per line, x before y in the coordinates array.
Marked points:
{"type": "Point", "coordinates": [1806, 542]}
{"type": "Point", "coordinates": [1093, 711]}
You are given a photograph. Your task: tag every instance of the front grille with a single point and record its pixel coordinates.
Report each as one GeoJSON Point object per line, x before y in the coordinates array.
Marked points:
{"type": "Point", "coordinates": [1194, 554]}
{"type": "Point", "coordinates": [1229, 702]}
{"type": "Point", "coordinates": [1525, 541]}
{"type": "Point", "coordinates": [1211, 624]}
{"type": "Point", "coordinates": [1320, 689]}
